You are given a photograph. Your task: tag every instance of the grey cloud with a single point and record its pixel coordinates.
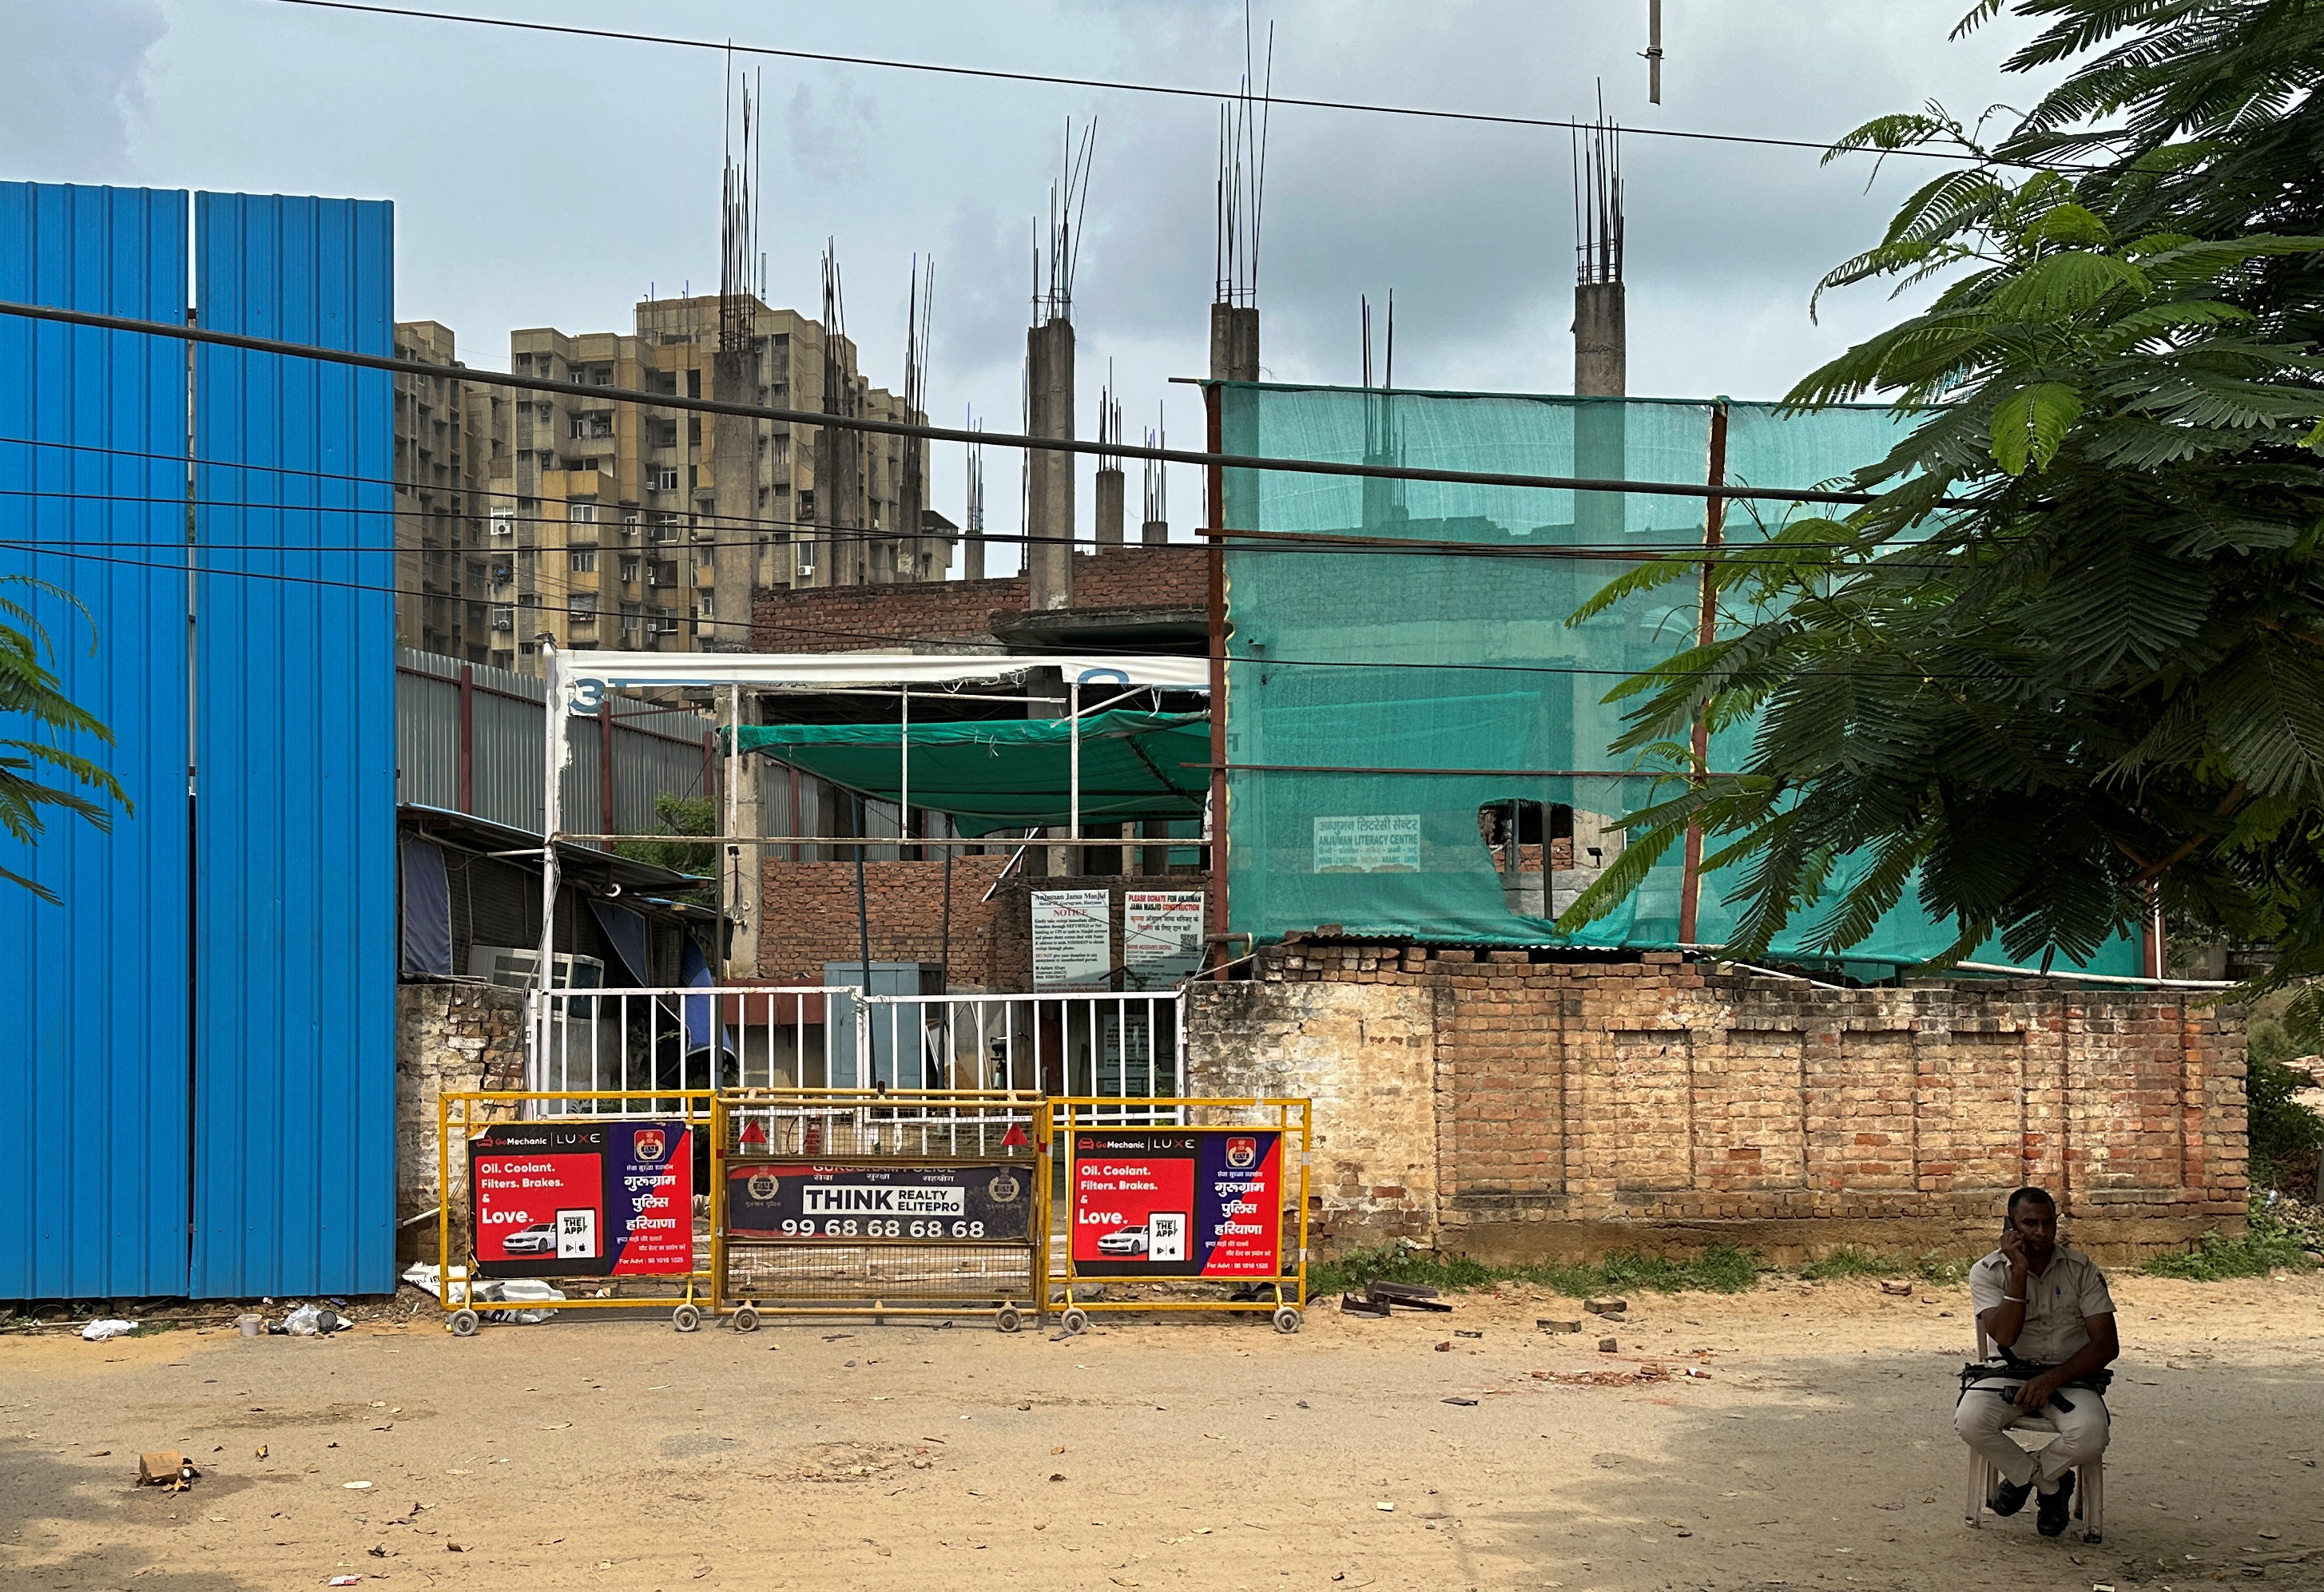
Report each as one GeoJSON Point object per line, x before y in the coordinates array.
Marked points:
{"type": "Point", "coordinates": [832, 132]}
{"type": "Point", "coordinates": [72, 84]}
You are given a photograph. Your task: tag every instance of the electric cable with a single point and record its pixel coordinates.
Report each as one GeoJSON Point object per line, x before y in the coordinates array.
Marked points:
{"type": "Point", "coordinates": [1121, 86]}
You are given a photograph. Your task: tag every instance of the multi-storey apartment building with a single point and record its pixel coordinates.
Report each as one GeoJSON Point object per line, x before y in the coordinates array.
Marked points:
{"type": "Point", "coordinates": [448, 433]}
{"type": "Point", "coordinates": [606, 517]}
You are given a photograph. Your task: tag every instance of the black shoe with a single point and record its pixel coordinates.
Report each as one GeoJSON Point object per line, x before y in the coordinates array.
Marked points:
{"type": "Point", "coordinates": [2054, 1509]}
{"type": "Point", "coordinates": [2008, 1498]}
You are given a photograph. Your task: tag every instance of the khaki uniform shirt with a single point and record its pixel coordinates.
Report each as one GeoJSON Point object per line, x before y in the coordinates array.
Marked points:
{"type": "Point", "coordinates": [2056, 1301]}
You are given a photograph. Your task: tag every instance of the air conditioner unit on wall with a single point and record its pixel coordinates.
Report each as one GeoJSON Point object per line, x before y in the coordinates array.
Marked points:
{"type": "Point", "coordinates": [518, 967]}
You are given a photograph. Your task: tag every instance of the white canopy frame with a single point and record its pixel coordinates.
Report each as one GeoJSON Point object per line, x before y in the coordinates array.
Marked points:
{"type": "Point", "coordinates": [577, 681]}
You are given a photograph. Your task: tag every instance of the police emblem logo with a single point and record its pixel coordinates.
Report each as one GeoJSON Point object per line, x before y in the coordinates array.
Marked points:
{"type": "Point", "coordinates": [761, 1185]}
{"type": "Point", "coordinates": [1004, 1189]}
{"type": "Point", "coordinates": [1243, 1153]}
{"type": "Point", "coordinates": [650, 1144]}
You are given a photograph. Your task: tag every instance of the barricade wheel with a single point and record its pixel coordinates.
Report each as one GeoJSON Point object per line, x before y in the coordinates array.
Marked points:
{"type": "Point", "coordinates": [746, 1318]}
{"type": "Point", "coordinates": [464, 1323]}
{"type": "Point", "coordinates": [1287, 1319]}
{"type": "Point", "coordinates": [686, 1318]}
{"type": "Point", "coordinates": [1075, 1320]}
{"type": "Point", "coordinates": [1007, 1318]}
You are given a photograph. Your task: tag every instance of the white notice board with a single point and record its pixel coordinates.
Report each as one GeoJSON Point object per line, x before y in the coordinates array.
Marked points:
{"type": "Point", "coordinates": [1073, 940]}
{"type": "Point", "coordinates": [1161, 937]}
{"type": "Point", "coordinates": [1369, 842]}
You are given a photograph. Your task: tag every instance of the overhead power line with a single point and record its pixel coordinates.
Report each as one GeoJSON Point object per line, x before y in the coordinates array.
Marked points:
{"type": "Point", "coordinates": [1122, 86]}
{"type": "Point", "coordinates": [379, 362]}
{"type": "Point", "coordinates": [1003, 662]}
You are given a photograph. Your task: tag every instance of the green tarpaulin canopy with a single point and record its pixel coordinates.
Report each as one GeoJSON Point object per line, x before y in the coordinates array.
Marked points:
{"type": "Point", "coordinates": [1000, 774]}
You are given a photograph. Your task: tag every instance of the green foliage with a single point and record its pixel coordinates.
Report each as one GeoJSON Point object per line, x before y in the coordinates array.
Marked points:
{"type": "Point", "coordinates": [2073, 656]}
{"type": "Point", "coordinates": [2280, 1126]}
{"type": "Point", "coordinates": [28, 693]}
{"type": "Point", "coordinates": [677, 816]}
{"type": "Point", "coordinates": [1719, 1269]}
{"type": "Point", "coordinates": [2269, 1244]}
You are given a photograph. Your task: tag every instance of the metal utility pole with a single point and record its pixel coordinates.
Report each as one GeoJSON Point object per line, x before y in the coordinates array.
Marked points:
{"type": "Point", "coordinates": [1654, 52]}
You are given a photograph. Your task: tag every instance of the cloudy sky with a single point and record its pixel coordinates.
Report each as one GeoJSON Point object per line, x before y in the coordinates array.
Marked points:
{"type": "Point", "coordinates": [546, 180]}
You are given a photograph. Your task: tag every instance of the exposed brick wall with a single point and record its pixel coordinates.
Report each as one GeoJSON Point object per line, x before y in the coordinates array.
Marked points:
{"type": "Point", "coordinates": [809, 917]}
{"type": "Point", "coordinates": [845, 619]}
{"type": "Point", "coordinates": [1579, 1106]}
{"type": "Point", "coordinates": [448, 1037]}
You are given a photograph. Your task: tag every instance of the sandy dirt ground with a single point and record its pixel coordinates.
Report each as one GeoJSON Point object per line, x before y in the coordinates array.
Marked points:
{"type": "Point", "coordinates": [596, 1452]}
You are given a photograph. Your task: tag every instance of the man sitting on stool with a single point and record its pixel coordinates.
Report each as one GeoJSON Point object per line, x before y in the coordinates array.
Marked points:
{"type": "Point", "coordinates": [2046, 1308]}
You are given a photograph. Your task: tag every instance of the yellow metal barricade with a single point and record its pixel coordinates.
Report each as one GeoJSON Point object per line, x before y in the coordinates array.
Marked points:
{"type": "Point", "coordinates": [879, 1203]}
{"type": "Point", "coordinates": [1199, 1201]}
{"type": "Point", "coordinates": [571, 1201]}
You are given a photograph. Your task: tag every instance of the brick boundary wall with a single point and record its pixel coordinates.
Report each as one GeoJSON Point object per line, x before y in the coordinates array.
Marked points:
{"type": "Point", "coordinates": [854, 618]}
{"type": "Point", "coordinates": [1519, 1105]}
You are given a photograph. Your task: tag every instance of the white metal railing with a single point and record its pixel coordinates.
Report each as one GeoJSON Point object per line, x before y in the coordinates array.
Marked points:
{"type": "Point", "coordinates": [639, 1045]}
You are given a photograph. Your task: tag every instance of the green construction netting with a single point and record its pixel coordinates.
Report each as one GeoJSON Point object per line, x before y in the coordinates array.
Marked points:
{"type": "Point", "coordinates": [998, 774]}
{"type": "Point", "coordinates": [1349, 663]}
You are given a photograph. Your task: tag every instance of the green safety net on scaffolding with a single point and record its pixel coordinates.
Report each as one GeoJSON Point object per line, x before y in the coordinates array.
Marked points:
{"type": "Point", "coordinates": [1418, 743]}
{"type": "Point", "coordinates": [1012, 774]}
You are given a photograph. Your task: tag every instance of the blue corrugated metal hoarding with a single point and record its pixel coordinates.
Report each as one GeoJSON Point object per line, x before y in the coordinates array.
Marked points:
{"type": "Point", "coordinates": [294, 746]}
{"type": "Point", "coordinates": [93, 989]}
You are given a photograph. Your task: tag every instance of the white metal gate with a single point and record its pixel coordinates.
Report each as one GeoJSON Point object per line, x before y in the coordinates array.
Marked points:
{"type": "Point", "coordinates": [634, 1044]}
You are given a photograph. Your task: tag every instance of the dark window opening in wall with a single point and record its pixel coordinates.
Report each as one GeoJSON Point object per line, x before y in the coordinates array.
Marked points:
{"type": "Point", "coordinates": [694, 383]}
{"type": "Point", "coordinates": [1516, 832]}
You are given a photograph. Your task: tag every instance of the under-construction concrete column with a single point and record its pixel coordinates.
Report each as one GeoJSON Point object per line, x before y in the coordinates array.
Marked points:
{"type": "Point", "coordinates": [742, 891]}
{"type": "Point", "coordinates": [1601, 344]}
{"type": "Point", "coordinates": [1109, 485]}
{"type": "Point", "coordinates": [733, 477]}
{"type": "Point", "coordinates": [1050, 476]}
{"type": "Point", "coordinates": [1234, 343]}
{"type": "Point", "coordinates": [1154, 533]}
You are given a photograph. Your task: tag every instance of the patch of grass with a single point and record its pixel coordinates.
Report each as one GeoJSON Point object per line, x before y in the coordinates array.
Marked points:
{"type": "Point", "coordinates": [2266, 1244]}
{"type": "Point", "coordinates": [1393, 1262]}
{"type": "Point", "coordinates": [1934, 1266]}
{"type": "Point", "coordinates": [1847, 1261]}
{"type": "Point", "coordinates": [1720, 1269]}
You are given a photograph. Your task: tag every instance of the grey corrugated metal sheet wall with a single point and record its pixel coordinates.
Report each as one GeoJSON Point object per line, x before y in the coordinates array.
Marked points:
{"type": "Point", "coordinates": [655, 750]}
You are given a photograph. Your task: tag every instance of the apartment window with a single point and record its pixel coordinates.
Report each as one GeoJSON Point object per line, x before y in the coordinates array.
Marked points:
{"type": "Point", "coordinates": [503, 522]}
{"type": "Point", "coordinates": [584, 560]}
{"type": "Point", "coordinates": [663, 433]}
{"type": "Point", "coordinates": [584, 605]}
{"type": "Point", "coordinates": [664, 480]}
{"type": "Point", "coordinates": [629, 571]}
{"type": "Point", "coordinates": [694, 432]}
{"type": "Point", "coordinates": [529, 600]}
{"type": "Point", "coordinates": [633, 618]}
{"type": "Point", "coordinates": [629, 526]}
{"type": "Point", "coordinates": [694, 383]}
{"type": "Point", "coordinates": [582, 513]}
{"type": "Point", "coordinates": [503, 616]}
{"type": "Point", "coordinates": [707, 608]}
